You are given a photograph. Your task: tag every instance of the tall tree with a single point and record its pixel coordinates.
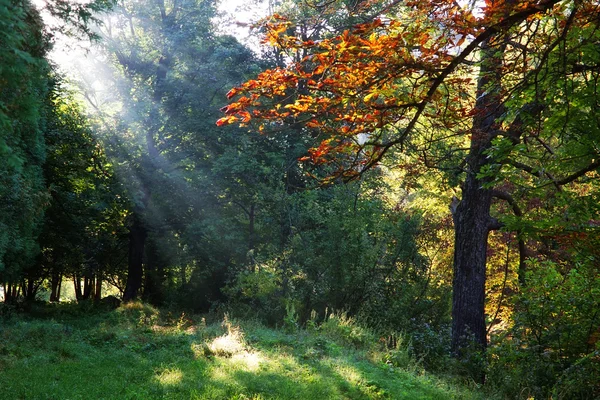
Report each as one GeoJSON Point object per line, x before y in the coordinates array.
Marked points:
{"type": "Point", "coordinates": [26, 84]}
{"type": "Point", "coordinates": [170, 67]}
{"type": "Point", "coordinates": [85, 209]}
{"type": "Point", "coordinates": [406, 83]}
{"type": "Point", "coordinates": [23, 87]}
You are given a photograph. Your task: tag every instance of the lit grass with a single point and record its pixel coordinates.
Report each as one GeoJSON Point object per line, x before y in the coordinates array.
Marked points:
{"type": "Point", "coordinates": [137, 352]}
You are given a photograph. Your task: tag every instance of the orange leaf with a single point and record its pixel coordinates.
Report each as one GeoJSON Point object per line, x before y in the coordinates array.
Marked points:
{"type": "Point", "coordinates": [232, 93]}
{"type": "Point", "coordinates": [226, 120]}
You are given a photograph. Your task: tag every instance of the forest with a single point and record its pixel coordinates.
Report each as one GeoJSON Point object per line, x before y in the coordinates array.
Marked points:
{"type": "Point", "coordinates": [300, 199]}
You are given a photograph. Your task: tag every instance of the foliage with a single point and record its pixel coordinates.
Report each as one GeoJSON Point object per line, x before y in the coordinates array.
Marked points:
{"type": "Point", "coordinates": [24, 83]}
{"type": "Point", "coordinates": [404, 80]}
{"type": "Point", "coordinates": [82, 227]}
{"type": "Point", "coordinates": [344, 329]}
{"type": "Point", "coordinates": [229, 220]}
{"type": "Point", "coordinates": [552, 349]}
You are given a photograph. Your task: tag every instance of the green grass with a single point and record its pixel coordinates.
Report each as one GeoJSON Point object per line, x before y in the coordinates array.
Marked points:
{"type": "Point", "coordinates": [137, 352]}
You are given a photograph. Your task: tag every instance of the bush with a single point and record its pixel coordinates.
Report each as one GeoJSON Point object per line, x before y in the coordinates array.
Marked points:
{"type": "Point", "coordinates": [140, 313]}
{"type": "Point", "coordinates": [256, 295]}
{"type": "Point", "coordinates": [552, 350]}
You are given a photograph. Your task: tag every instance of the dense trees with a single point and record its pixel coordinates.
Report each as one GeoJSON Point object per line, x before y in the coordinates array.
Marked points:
{"type": "Point", "coordinates": [391, 84]}
{"type": "Point", "coordinates": [23, 77]}
{"type": "Point", "coordinates": [367, 121]}
{"type": "Point", "coordinates": [49, 160]}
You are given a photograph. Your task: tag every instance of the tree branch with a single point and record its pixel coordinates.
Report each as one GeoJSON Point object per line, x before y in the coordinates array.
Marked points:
{"type": "Point", "coordinates": [579, 173]}
{"type": "Point", "coordinates": [502, 195]}
{"type": "Point", "coordinates": [493, 30]}
{"type": "Point", "coordinates": [499, 194]}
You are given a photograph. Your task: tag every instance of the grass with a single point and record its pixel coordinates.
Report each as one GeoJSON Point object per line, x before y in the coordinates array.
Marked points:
{"type": "Point", "coordinates": [138, 352]}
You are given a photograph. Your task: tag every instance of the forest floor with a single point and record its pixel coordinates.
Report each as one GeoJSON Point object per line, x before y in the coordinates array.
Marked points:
{"type": "Point", "coordinates": [138, 352]}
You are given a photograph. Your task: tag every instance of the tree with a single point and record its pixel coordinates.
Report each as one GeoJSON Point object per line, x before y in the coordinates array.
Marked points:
{"type": "Point", "coordinates": [81, 223]}
{"type": "Point", "coordinates": [24, 84]}
{"type": "Point", "coordinates": [26, 89]}
{"type": "Point", "coordinates": [464, 89]}
{"type": "Point", "coordinates": [169, 68]}
{"type": "Point", "coordinates": [150, 45]}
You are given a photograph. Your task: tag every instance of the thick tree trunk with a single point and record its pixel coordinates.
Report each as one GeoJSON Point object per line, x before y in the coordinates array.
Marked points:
{"type": "Point", "coordinates": [137, 242]}
{"type": "Point", "coordinates": [472, 220]}
{"type": "Point", "coordinates": [471, 229]}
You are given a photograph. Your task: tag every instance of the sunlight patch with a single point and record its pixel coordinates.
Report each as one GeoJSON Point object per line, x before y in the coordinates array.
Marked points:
{"type": "Point", "coordinates": [249, 360]}
{"type": "Point", "coordinates": [227, 345]}
{"type": "Point", "coordinates": [349, 373]}
{"type": "Point", "coordinates": [169, 377]}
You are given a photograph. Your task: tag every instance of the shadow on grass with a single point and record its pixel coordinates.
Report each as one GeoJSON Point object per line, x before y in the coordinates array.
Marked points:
{"type": "Point", "coordinates": [126, 354]}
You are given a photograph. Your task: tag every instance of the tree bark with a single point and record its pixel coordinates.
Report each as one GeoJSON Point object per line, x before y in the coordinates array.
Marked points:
{"type": "Point", "coordinates": [154, 278]}
{"type": "Point", "coordinates": [55, 285]}
{"type": "Point", "coordinates": [137, 241]}
{"type": "Point", "coordinates": [472, 220]}
{"type": "Point", "coordinates": [98, 290]}
{"type": "Point", "coordinates": [29, 289]}
{"type": "Point", "coordinates": [251, 237]}
{"type": "Point", "coordinates": [471, 229]}
{"type": "Point", "coordinates": [88, 287]}
{"type": "Point", "coordinates": [8, 297]}
{"type": "Point", "coordinates": [77, 287]}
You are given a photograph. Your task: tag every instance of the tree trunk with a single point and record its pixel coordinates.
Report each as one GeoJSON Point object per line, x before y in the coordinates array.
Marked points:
{"type": "Point", "coordinates": [251, 237]}
{"type": "Point", "coordinates": [472, 220]}
{"type": "Point", "coordinates": [154, 278]}
{"type": "Point", "coordinates": [98, 289]}
{"type": "Point", "coordinates": [55, 285]}
{"type": "Point", "coordinates": [88, 286]}
{"type": "Point", "coordinates": [77, 287]}
{"type": "Point", "coordinates": [137, 241]}
{"type": "Point", "coordinates": [29, 289]}
{"type": "Point", "coordinates": [8, 293]}
{"type": "Point", "coordinates": [471, 229]}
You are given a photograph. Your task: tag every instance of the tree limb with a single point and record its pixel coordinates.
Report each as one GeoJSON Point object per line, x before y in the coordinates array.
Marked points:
{"type": "Point", "coordinates": [499, 194]}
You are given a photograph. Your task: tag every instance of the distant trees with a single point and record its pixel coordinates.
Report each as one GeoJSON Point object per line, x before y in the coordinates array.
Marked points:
{"type": "Point", "coordinates": [83, 222]}
{"type": "Point", "coordinates": [170, 69]}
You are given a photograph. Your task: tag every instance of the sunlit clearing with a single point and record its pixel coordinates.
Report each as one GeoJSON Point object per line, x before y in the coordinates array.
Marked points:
{"type": "Point", "coordinates": [169, 376]}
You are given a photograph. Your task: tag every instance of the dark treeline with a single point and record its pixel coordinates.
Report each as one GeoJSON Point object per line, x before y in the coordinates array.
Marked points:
{"type": "Point", "coordinates": [138, 190]}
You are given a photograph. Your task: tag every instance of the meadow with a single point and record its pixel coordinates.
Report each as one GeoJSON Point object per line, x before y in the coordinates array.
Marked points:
{"type": "Point", "coordinates": [136, 351]}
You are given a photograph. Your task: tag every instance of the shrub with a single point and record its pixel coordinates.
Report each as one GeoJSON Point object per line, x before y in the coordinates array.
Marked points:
{"type": "Point", "coordinates": [551, 350]}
